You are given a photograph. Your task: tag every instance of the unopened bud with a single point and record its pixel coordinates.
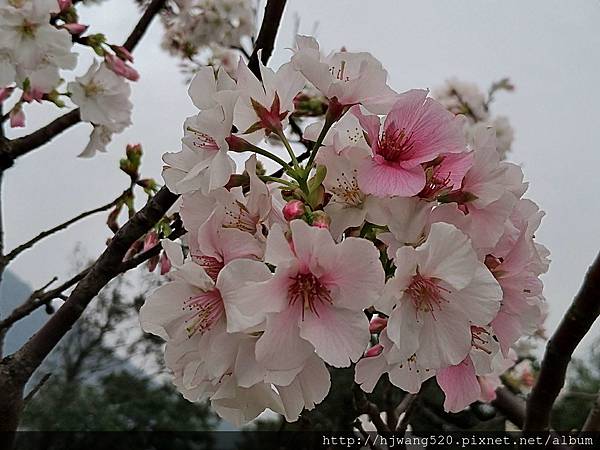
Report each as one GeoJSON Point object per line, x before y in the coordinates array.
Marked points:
{"type": "Point", "coordinates": [321, 219]}
{"type": "Point", "coordinates": [377, 324]}
{"type": "Point", "coordinates": [75, 28]}
{"type": "Point", "coordinates": [17, 117]}
{"type": "Point", "coordinates": [64, 4]}
{"type": "Point", "coordinates": [165, 264]}
{"type": "Point", "coordinates": [374, 351]}
{"type": "Point", "coordinates": [294, 209]}
{"type": "Point", "coordinates": [150, 240]}
{"type": "Point", "coordinates": [5, 93]}
{"type": "Point", "coordinates": [122, 52]}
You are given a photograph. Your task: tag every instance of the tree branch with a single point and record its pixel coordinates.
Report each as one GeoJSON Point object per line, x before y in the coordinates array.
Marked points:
{"type": "Point", "coordinates": [21, 248]}
{"type": "Point", "coordinates": [267, 34]}
{"type": "Point", "coordinates": [36, 388]}
{"type": "Point", "coordinates": [11, 150]}
{"type": "Point", "coordinates": [592, 422]}
{"type": "Point", "coordinates": [143, 24]}
{"type": "Point", "coordinates": [510, 405]}
{"type": "Point", "coordinates": [573, 327]}
{"type": "Point", "coordinates": [39, 298]}
{"type": "Point", "coordinates": [106, 267]}
{"type": "Point", "coordinates": [364, 406]}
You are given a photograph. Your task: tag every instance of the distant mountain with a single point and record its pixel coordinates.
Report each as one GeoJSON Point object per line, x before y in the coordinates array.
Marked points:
{"type": "Point", "coordinates": [13, 292]}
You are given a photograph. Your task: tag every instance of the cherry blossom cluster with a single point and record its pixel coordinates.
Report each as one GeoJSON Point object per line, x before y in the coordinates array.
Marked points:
{"type": "Point", "coordinates": [210, 29]}
{"type": "Point", "coordinates": [396, 245]}
{"type": "Point", "coordinates": [36, 43]}
{"type": "Point", "coordinates": [467, 99]}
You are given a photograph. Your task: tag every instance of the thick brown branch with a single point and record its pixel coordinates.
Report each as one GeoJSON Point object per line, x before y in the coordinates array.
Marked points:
{"type": "Point", "coordinates": [573, 327]}
{"type": "Point", "coordinates": [265, 42]}
{"type": "Point", "coordinates": [143, 24]}
{"type": "Point", "coordinates": [106, 267]}
{"type": "Point", "coordinates": [21, 248]}
{"type": "Point", "coordinates": [510, 405]}
{"type": "Point", "coordinates": [12, 150]}
{"type": "Point", "coordinates": [21, 146]}
{"type": "Point", "coordinates": [36, 388]}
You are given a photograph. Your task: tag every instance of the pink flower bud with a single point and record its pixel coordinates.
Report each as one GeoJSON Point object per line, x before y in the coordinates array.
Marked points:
{"type": "Point", "coordinates": [294, 209]}
{"type": "Point", "coordinates": [120, 67]}
{"type": "Point", "coordinates": [150, 240]}
{"type": "Point", "coordinates": [122, 52]}
{"type": "Point", "coordinates": [152, 263]}
{"type": "Point", "coordinates": [165, 264]}
{"type": "Point", "coordinates": [5, 93]}
{"type": "Point", "coordinates": [374, 351]}
{"type": "Point", "coordinates": [75, 28]}
{"type": "Point", "coordinates": [33, 94]}
{"type": "Point", "coordinates": [321, 220]}
{"type": "Point", "coordinates": [377, 324]}
{"type": "Point", "coordinates": [64, 4]}
{"type": "Point", "coordinates": [17, 118]}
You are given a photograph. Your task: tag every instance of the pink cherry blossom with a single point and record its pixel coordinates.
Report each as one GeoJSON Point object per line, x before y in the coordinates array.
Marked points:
{"type": "Point", "coordinates": [350, 78]}
{"type": "Point", "coordinates": [349, 206]}
{"type": "Point", "coordinates": [417, 130]}
{"type": "Point", "coordinates": [438, 291]}
{"type": "Point", "coordinates": [315, 298]}
{"type": "Point", "coordinates": [265, 104]}
{"type": "Point", "coordinates": [203, 164]}
{"type": "Point", "coordinates": [251, 213]}
{"type": "Point", "coordinates": [460, 382]}
{"type": "Point", "coordinates": [407, 373]}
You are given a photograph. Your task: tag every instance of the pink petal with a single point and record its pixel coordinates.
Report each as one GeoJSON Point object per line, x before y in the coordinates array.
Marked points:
{"type": "Point", "coordinates": [340, 336]}
{"type": "Point", "coordinates": [460, 385]}
{"type": "Point", "coordinates": [281, 347]}
{"type": "Point", "coordinates": [382, 179]}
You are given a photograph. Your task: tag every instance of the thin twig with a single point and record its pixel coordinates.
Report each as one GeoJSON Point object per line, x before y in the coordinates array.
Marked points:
{"type": "Point", "coordinates": [574, 325]}
{"type": "Point", "coordinates": [358, 425]}
{"type": "Point", "coordinates": [403, 407]}
{"type": "Point", "coordinates": [39, 298]}
{"type": "Point", "coordinates": [21, 248]}
{"type": "Point", "coordinates": [405, 420]}
{"type": "Point", "coordinates": [364, 406]}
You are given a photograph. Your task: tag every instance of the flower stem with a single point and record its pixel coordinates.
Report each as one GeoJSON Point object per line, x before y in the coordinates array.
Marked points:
{"type": "Point", "coordinates": [289, 149]}
{"type": "Point", "coordinates": [278, 180]}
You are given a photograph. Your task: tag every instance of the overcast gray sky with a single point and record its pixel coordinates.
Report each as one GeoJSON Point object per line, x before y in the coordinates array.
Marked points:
{"type": "Point", "coordinates": [549, 48]}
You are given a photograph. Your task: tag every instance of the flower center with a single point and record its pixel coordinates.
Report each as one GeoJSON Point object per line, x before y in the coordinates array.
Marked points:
{"type": "Point", "coordinates": [395, 145]}
{"type": "Point", "coordinates": [309, 291]}
{"type": "Point", "coordinates": [480, 339]}
{"type": "Point", "coordinates": [206, 309]}
{"type": "Point", "coordinates": [92, 89]}
{"type": "Point", "coordinates": [338, 72]}
{"type": "Point", "coordinates": [426, 294]}
{"type": "Point", "coordinates": [211, 265]}
{"type": "Point", "coordinates": [238, 216]}
{"type": "Point", "coordinates": [435, 185]}
{"type": "Point", "coordinates": [28, 28]}
{"type": "Point", "coordinates": [202, 140]}
{"type": "Point", "coordinates": [347, 191]}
